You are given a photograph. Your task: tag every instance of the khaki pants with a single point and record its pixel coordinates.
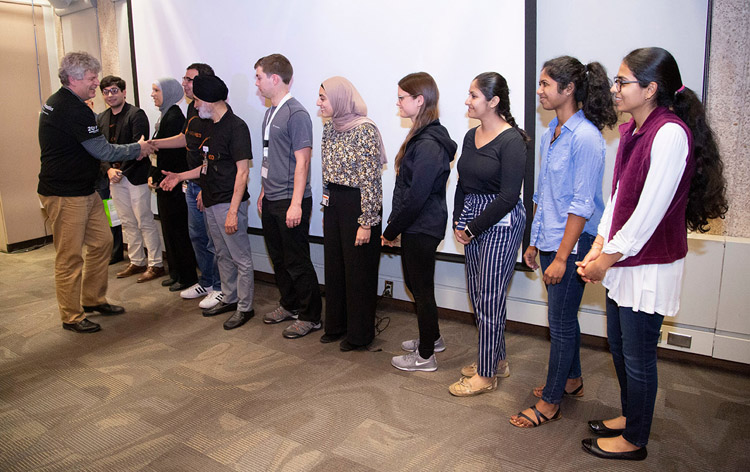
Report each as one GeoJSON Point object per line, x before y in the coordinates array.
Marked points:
{"type": "Point", "coordinates": [79, 280]}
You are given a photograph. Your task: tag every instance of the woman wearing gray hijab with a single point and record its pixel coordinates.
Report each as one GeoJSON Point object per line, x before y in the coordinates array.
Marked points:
{"type": "Point", "coordinates": [167, 92]}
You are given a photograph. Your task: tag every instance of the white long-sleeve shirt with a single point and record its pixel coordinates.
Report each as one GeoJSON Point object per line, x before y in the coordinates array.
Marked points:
{"type": "Point", "coordinates": [651, 288]}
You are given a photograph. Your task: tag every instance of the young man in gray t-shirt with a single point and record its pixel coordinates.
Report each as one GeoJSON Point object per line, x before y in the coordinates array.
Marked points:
{"type": "Point", "coordinates": [285, 201]}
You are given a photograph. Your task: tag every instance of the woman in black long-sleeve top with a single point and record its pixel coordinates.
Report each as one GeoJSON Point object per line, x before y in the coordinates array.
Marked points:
{"type": "Point", "coordinates": [419, 213]}
{"type": "Point", "coordinates": [166, 93]}
{"type": "Point", "coordinates": [489, 219]}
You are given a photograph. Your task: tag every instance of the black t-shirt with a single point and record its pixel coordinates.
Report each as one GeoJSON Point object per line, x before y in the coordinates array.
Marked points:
{"type": "Point", "coordinates": [228, 143]}
{"type": "Point", "coordinates": [196, 131]}
{"type": "Point", "coordinates": [67, 169]}
{"type": "Point", "coordinates": [495, 168]}
{"type": "Point", "coordinates": [113, 122]}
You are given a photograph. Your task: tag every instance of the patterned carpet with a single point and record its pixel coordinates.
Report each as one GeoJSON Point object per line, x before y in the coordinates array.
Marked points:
{"type": "Point", "coordinates": [163, 388]}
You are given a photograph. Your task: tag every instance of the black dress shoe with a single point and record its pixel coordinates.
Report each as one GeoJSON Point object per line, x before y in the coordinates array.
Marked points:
{"type": "Point", "coordinates": [220, 308]}
{"type": "Point", "coordinates": [104, 309]}
{"type": "Point", "coordinates": [590, 445]}
{"type": "Point", "coordinates": [115, 260]}
{"type": "Point", "coordinates": [83, 326]}
{"type": "Point", "coordinates": [329, 338]}
{"type": "Point", "coordinates": [169, 282]}
{"type": "Point", "coordinates": [346, 346]}
{"type": "Point", "coordinates": [238, 319]}
{"type": "Point", "coordinates": [597, 427]}
{"type": "Point", "coordinates": [179, 286]}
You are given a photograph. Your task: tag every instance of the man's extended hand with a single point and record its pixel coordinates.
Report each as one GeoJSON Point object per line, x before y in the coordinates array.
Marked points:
{"type": "Point", "coordinates": [146, 148]}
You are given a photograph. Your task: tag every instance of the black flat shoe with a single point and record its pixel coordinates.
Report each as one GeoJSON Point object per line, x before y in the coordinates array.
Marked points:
{"type": "Point", "coordinates": [220, 308]}
{"type": "Point", "coordinates": [346, 346]}
{"type": "Point", "coordinates": [179, 286]}
{"type": "Point", "coordinates": [329, 338]}
{"type": "Point", "coordinates": [590, 445]}
{"type": "Point", "coordinates": [597, 427]}
{"type": "Point", "coordinates": [83, 326]}
{"type": "Point", "coordinates": [238, 319]}
{"type": "Point", "coordinates": [104, 309]}
{"type": "Point", "coordinates": [169, 282]}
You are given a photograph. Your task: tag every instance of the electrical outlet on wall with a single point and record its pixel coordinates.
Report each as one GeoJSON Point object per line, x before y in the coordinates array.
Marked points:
{"type": "Point", "coordinates": [388, 289]}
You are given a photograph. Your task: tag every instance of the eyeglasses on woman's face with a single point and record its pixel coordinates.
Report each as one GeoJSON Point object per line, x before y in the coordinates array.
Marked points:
{"type": "Point", "coordinates": [620, 81]}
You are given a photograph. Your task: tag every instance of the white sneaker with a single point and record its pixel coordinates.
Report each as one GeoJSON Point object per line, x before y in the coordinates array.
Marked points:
{"type": "Point", "coordinates": [212, 299]}
{"type": "Point", "coordinates": [197, 290]}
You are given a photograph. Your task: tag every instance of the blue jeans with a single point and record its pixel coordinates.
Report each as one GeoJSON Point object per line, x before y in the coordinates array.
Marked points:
{"type": "Point", "coordinates": [203, 246]}
{"type": "Point", "coordinates": [563, 300]}
{"type": "Point", "coordinates": [633, 336]}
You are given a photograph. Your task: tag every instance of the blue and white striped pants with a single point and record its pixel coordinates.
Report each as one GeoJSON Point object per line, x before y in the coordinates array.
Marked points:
{"type": "Point", "coordinates": [490, 260]}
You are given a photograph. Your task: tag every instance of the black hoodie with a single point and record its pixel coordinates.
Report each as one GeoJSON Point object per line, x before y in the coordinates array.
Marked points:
{"type": "Point", "coordinates": [419, 197]}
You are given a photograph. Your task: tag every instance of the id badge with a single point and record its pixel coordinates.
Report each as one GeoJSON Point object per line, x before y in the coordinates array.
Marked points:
{"type": "Point", "coordinates": [184, 187]}
{"type": "Point", "coordinates": [204, 166]}
{"type": "Point", "coordinates": [326, 197]}
{"type": "Point", "coordinates": [264, 172]}
{"type": "Point", "coordinates": [504, 222]}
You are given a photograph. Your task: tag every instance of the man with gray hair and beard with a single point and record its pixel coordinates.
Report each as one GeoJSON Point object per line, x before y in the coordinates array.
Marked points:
{"type": "Point", "coordinates": [71, 149]}
{"type": "Point", "coordinates": [223, 179]}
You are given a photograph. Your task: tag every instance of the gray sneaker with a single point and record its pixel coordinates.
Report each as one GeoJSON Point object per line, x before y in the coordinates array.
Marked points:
{"type": "Point", "coordinates": [413, 362]}
{"type": "Point", "coordinates": [300, 328]}
{"type": "Point", "coordinates": [278, 315]}
{"type": "Point", "coordinates": [413, 344]}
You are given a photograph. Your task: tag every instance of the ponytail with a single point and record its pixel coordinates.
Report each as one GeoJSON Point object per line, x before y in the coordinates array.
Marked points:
{"type": "Point", "coordinates": [707, 198]}
{"type": "Point", "coordinates": [598, 106]}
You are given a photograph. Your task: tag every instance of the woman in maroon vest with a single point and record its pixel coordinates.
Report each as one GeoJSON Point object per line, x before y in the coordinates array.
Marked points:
{"type": "Point", "coordinates": [668, 177]}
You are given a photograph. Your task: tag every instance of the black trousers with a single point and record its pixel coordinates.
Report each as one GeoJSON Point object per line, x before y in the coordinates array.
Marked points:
{"type": "Point", "coordinates": [351, 271]}
{"type": "Point", "coordinates": [174, 226]}
{"type": "Point", "coordinates": [289, 250]}
{"type": "Point", "coordinates": [418, 264]}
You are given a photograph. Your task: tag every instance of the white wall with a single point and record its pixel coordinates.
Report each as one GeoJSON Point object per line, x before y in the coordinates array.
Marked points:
{"type": "Point", "coordinates": [373, 44]}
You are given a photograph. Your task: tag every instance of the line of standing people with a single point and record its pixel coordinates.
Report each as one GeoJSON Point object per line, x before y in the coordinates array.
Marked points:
{"type": "Point", "coordinates": [668, 177]}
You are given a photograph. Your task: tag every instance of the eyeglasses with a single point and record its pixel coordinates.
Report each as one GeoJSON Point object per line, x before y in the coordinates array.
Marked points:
{"type": "Point", "coordinates": [402, 97]}
{"type": "Point", "coordinates": [187, 79]}
{"type": "Point", "coordinates": [110, 91]}
{"type": "Point", "coordinates": [619, 82]}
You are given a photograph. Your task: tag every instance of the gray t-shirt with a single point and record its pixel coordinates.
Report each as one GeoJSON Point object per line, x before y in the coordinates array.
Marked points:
{"type": "Point", "coordinates": [291, 130]}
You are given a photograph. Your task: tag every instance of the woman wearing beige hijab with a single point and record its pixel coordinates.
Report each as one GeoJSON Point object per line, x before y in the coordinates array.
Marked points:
{"type": "Point", "coordinates": [352, 153]}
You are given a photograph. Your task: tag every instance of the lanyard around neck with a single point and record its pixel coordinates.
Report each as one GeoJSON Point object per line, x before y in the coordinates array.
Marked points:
{"type": "Point", "coordinates": [267, 132]}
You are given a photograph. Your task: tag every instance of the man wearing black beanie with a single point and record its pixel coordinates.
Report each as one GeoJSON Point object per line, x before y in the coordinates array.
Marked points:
{"type": "Point", "coordinates": [223, 179]}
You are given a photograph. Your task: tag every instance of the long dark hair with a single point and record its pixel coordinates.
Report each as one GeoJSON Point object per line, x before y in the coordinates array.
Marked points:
{"type": "Point", "coordinates": [591, 88]}
{"type": "Point", "coordinates": [707, 197]}
{"type": "Point", "coordinates": [415, 84]}
{"type": "Point", "coordinates": [492, 84]}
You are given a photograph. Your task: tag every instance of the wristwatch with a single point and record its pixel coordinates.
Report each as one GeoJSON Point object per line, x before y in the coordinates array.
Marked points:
{"type": "Point", "coordinates": [468, 232]}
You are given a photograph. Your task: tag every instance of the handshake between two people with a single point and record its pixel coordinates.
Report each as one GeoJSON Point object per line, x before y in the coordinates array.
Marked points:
{"type": "Point", "coordinates": [147, 147]}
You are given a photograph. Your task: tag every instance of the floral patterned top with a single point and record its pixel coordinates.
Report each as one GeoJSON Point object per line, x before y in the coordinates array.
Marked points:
{"type": "Point", "coordinates": [352, 158]}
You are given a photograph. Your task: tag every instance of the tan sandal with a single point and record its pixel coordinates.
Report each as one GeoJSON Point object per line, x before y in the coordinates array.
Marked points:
{"type": "Point", "coordinates": [463, 388]}
{"type": "Point", "coordinates": [471, 370]}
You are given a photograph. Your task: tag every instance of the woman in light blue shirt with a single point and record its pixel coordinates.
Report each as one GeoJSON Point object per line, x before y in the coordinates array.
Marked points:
{"type": "Point", "coordinates": [568, 208]}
